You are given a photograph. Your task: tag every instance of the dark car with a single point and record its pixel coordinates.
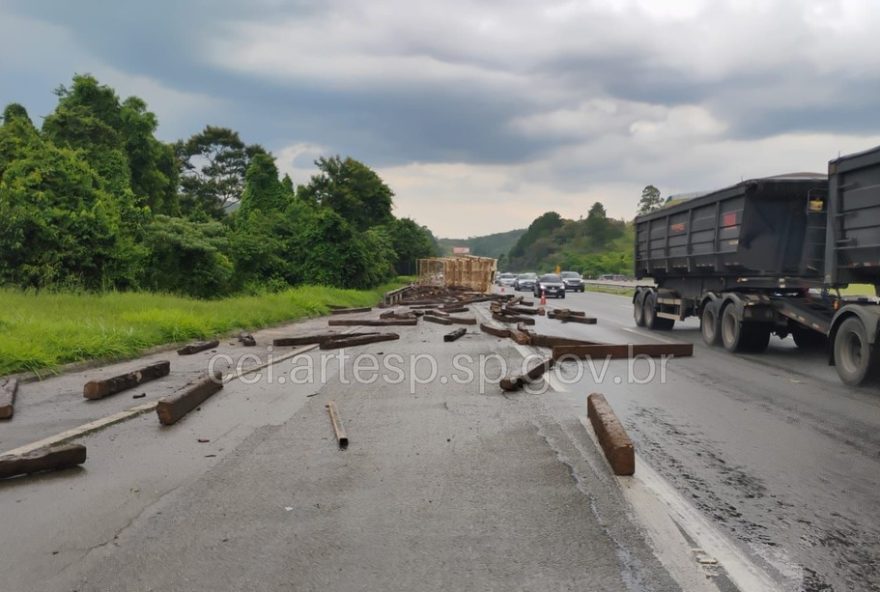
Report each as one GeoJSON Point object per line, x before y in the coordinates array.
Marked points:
{"type": "Point", "coordinates": [573, 281]}
{"type": "Point", "coordinates": [525, 281]}
{"type": "Point", "coordinates": [551, 285]}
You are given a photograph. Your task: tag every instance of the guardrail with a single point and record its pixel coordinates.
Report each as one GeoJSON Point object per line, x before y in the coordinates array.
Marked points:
{"type": "Point", "coordinates": [617, 284]}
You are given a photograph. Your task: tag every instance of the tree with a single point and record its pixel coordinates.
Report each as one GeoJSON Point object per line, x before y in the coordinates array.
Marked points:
{"type": "Point", "coordinates": [410, 243]}
{"type": "Point", "coordinates": [351, 189]}
{"type": "Point", "coordinates": [596, 227]}
{"type": "Point", "coordinates": [214, 164]}
{"type": "Point", "coordinates": [542, 226]}
{"type": "Point", "coordinates": [188, 257]}
{"type": "Point", "coordinates": [650, 200]}
{"type": "Point", "coordinates": [58, 225]}
{"type": "Point", "coordinates": [262, 190]}
{"type": "Point", "coordinates": [117, 139]}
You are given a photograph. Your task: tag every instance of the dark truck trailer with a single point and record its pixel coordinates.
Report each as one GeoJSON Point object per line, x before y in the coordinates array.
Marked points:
{"type": "Point", "coordinates": [769, 256]}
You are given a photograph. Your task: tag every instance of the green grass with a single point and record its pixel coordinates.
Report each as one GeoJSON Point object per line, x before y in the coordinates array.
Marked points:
{"type": "Point", "coordinates": [858, 290]}
{"type": "Point", "coordinates": [609, 289]}
{"type": "Point", "coordinates": [40, 332]}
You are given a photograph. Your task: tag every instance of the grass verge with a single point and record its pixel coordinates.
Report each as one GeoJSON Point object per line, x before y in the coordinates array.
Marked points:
{"type": "Point", "coordinates": [609, 289]}
{"type": "Point", "coordinates": [40, 332]}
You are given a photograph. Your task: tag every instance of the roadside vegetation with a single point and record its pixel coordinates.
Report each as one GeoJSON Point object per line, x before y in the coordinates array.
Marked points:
{"type": "Point", "coordinates": [495, 245]}
{"type": "Point", "coordinates": [92, 200]}
{"type": "Point", "coordinates": [112, 241]}
{"type": "Point", "coordinates": [41, 331]}
{"type": "Point", "coordinates": [593, 246]}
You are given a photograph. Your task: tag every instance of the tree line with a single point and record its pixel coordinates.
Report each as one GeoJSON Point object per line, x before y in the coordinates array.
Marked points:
{"type": "Point", "coordinates": [93, 200]}
{"type": "Point", "coordinates": [593, 246]}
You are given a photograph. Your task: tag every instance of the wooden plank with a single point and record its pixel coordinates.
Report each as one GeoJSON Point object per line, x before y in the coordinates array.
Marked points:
{"type": "Point", "coordinates": [372, 322]}
{"type": "Point", "coordinates": [98, 389]}
{"type": "Point", "coordinates": [438, 320]}
{"type": "Point", "coordinates": [316, 338]}
{"type": "Point", "coordinates": [517, 381]}
{"type": "Point", "coordinates": [347, 341]}
{"type": "Point", "coordinates": [195, 348]}
{"type": "Point", "coordinates": [463, 320]}
{"type": "Point", "coordinates": [613, 439]}
{"type": "Point", "coordinates": [50, 458]}
{"type": "Point", "coordinates": [617, 351]}
{"type": "Point", "coordinates": [173, 408]}
{"type": "Point", "coordinates": [453, 335]}
{"type": "Point", "coordinates": [338, 311]}
{"type": "Point", "coordinates": [338, 428]}
{"type": "Point", "coordinates": [8, 390]}
{"type": "Point", "coordinates": [502, 332]}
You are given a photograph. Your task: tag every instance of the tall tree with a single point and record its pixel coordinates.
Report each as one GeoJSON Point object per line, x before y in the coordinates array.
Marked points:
{"type": "Point", "coordinates": [352, 189]}
{"type": "Point", "coordinates": [650, 200]}
{"type": "Point", "coordinates": [117, 138]}
{"type": "Point", "coordinates": [262, 190]}
{"type": "Point", "coordinates": [411, 242]}
{"type": "Point", "coordinates": [58, 225]}
{"type": "Point", "coordinates": [214, 164]}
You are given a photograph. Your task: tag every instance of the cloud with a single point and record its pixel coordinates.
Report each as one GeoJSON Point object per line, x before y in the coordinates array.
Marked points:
{"type": "Point", "coordinates": [484, 113]}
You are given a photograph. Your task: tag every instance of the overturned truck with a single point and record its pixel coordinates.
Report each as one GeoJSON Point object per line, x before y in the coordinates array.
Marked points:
{"type": "Point", "coordinates": [769, 256]}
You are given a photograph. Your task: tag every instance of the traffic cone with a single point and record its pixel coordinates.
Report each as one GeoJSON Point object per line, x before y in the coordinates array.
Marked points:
{"type": "Point", "coordinates": [543, 297]}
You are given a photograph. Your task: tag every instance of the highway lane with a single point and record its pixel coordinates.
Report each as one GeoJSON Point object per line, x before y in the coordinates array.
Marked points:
{"type": "Point", "coordinates": [771, 447]}
{"type": "Point", "coordinates": [444, 486]}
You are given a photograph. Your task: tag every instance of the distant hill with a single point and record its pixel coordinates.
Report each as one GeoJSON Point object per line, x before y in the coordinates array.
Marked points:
{"type": "Point", "coordinates": [490, 245]}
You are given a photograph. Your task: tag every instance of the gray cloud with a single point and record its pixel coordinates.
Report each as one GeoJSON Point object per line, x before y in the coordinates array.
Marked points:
{"type": "Point", "coordinates": [572, 100]}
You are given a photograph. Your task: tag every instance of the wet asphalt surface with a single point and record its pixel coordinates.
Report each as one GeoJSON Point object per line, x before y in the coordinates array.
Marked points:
{"type": "Point", "coordinates": [444, 486]}
{"type": "Point", "coordinates": [772, 447]}
{"type": "Point", "coordinates": [250, 491]}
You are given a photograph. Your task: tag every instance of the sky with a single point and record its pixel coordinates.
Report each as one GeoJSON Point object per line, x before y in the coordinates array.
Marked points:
{"type": "Point", "coordinates": [481, 115]}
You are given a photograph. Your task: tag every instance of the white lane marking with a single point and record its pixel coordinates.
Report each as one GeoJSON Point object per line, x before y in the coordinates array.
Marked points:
{"type": "Point", "coordinates": [120, 416]}
{"type": "Point", "coordinates": [529, 352]}
{"type": "Point", "coordinates": [739, 567]}
{"type": "Point", "coordinates": [81, 430]}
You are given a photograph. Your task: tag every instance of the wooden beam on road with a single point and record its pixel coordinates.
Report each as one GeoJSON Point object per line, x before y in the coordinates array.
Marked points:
{"type": "Point", "coordinates": [338, 311]}
{"type": "Point", "coordinates": [316, 338]}
{"type": "Point", "coordinates": [372, 322]}
{"type": "Point", "coordinates": [195, 348]}
{"type": "Point", "coordinates": [624, 351]}
{"type": "Point", "coordinates": [502, 332]}
{"type": "Point", "coordinates": [50, 458]}
{"type": "Point", "coordinates": [615, 442]}
{"type": "Point", "coordinates": [98, 389]}
{"type": "Point", "coordinates": [349, 341]}
{"type": "Point", "coordinates": [338, 428]}
{"type": "Point", "coordinates": [8, 390]}
{"type": "Point", "coordinates": [453, 335]}
{"type": "Point", "coordinates": [173, 408]}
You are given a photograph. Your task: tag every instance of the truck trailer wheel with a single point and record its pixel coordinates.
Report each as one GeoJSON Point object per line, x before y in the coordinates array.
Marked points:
{"type": "Point", "coordinates": [638, 309]}
{"type": "Point", "coordinates": [652, 321]}
{"type": "Point", "coordinates": [807, 339]}
{"type": "Point", "coordinates": [855, 358]}
{"type": "Point", "coordinates": [709, 324]}
{"type": "Point", "coordinates": [737, 336]}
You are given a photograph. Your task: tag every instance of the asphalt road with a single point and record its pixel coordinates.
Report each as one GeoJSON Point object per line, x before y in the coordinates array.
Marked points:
{"type": "Point", "coordinates": [444, 486]}
{"type": "Point", "coordinates": [771, 447]}
{"type": "Point", "coordinates": [455, 486]}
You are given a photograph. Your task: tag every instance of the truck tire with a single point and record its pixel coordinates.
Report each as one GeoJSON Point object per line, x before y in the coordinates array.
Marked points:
{"type": "Point", "coordinates": [709, 324]}
{"type": "Point", "coordinates": [854, 357]}
{"type": "Point", "coordinates": [737, 336]}
{"type": "Point", "coordinates": [652, 321]}
{"type": "Point", "coordinates": [639, 309]}
{"type": "Point", "coordinates": [807, 339]}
